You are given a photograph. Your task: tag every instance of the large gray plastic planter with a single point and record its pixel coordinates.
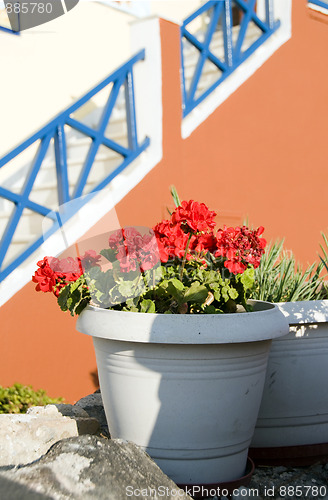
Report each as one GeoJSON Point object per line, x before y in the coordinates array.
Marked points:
{"type": "Point", "coordinates": [294, 409]}
{"type": "Point", "coordinates": [186, 388]}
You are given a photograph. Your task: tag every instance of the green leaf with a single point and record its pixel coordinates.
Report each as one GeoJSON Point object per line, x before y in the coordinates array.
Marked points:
{"type": "Point", "coordinates": [225, 293]}
{"type": "Point", "coordinates": [63, 297]}
{"type": "Point", "coordinates": [147, 306]}
{"type": "Point", "coordinates": [131, 304]}
{"type": "Point", "coordinates": [178, 285]}
{"type": "Point", "coordinates": [126, 288]}
{"type": "Point", "coordinates": [93, 273]}
{"type": "Point", "coordinates": [230, 306]}
{"type": "Point", "coordinates": [175, 196]}
{"type": "Point", "coordinates": [79, 308]}
{"type": "Point", "coordinates": [196, 293]}
{"type": "Point", "coordinates": [176, 289]}
{"type": "Point", "coordinates": [247, 278]}
{"type": "Point", "coordinates": [212, 310]}
{"type": "Point", "coordinates": [109, 254]}
{"type": "Point", "coordinates": [233, 294]}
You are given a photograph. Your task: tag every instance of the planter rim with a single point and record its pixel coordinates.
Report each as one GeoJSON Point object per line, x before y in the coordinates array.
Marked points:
{"type": "Point", "coordinates": [264, 323]}
{"type": "Point", "coordinates": [307, 311]}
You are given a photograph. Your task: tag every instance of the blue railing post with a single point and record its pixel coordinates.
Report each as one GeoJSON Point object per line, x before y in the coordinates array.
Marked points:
{"type": "Point", "coordinates": [227, 33]}
{"type": "Point", "coordinates": [269, 13]}
{"type": "Point", "coordinates": [130, 111]}
{"type": "Point", "coordinates": [61, 165]}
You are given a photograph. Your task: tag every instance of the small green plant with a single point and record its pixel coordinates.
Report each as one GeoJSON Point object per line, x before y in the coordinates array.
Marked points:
{"type": "Point", "coordinates": [324, 250]}
{"type": "Point", "coordinates": [280, 279]}
{"type": "Point", "coordinates": [19, 398]}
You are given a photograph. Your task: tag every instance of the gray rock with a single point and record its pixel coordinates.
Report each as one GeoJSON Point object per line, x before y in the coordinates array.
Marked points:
{"type": "Point", "coordinates": [94, 407]}
{"type": "Point", "coordinates": [68, 410]}
{"type": "Point", "coordinates": [26, 437]}
{"type": "Point", "coordinates": [291, 482]}
{"type": "Point", "coordinates": [89, 468]}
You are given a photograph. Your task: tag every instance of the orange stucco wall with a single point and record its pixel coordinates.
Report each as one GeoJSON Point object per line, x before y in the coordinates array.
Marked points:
{"type": "Point", "coordinates": [261, 155]}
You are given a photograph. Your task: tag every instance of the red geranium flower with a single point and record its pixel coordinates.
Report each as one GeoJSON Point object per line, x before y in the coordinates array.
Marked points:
{"type": "Point", "coordinates": [54, 274]}
{"type": "Point", "coordinates": [240, 246]}
{"type": "Point", "coordinates": [90, 259]}
{"type": "Point", "coordinates": [134, 250]}
{"type": "Point", "coordinates": [45, 277]}
{"type": "Point", "coordinates": [194, 217]}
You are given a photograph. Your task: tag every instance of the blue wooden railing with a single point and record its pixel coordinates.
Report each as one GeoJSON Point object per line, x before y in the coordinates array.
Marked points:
{"type": "Point", "coordinates": [220, 12]}
{"type": "Point", "coordinates": [320, 3]}
{"type": "Point", "coordinates": [55, 130]}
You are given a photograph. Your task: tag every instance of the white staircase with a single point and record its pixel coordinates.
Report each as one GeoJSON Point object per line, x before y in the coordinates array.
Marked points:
{"type": "Point", "coordinates": [45, 187]}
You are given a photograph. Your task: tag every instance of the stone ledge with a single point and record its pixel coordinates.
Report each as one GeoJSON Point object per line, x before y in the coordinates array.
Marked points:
{"type": "Point", "coordinates": [26, 437]}
{"type": "Point", "coordinates": [89, 468]}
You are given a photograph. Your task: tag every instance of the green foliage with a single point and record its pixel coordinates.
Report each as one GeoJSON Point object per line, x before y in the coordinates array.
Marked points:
{"type": "Point", "coordinates": [19, 398]}
{"type": "Point", "coordinates": [201, 290]}
{"type": "Point", "coordinates": [280, 279]}
{"type": "Point", "coordinates": [74, 297]}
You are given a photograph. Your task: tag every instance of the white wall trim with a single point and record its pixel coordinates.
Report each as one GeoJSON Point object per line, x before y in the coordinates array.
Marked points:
{"type": "Point", "coordinates": [322, 10]}
{"type": "Point", "coordinates": [282, 11]}
{"type": "Point", "coordinates": [148, 97]}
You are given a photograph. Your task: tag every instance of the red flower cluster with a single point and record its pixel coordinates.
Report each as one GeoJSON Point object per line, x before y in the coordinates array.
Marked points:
{"type": "Point", "coordinates": [189, 218]}
{"type": "Point", "coordinates": [172, 242]}
{"type": "Point", "coordinates": [193, 217]}
{"type": "Point", "coordinates": [134, 251]}
{"type": "Point", "coordinates": [240, 246]}
{"type": "Point", "coordinates": [53, 274]}
{"type": "Point", "coordinates": [90, 259]}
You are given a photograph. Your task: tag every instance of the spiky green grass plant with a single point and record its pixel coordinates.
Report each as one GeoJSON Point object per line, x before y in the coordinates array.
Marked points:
{"type": "Point", "coordinates": [279, 278]}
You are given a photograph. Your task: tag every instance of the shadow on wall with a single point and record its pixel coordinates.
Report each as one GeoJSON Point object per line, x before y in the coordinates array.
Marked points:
{"type": "Point", "coordinates": [318, 16]}
{"type": "Point", "coordinates": [95, 379]}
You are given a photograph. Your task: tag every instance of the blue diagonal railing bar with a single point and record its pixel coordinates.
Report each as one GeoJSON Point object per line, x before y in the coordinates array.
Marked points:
{"type": "Point", "coordinates": [55, 131]}
{"type": "Point", "coordinates": [319, 3]}
{"type": "Point", "coordinates": [220, 12]}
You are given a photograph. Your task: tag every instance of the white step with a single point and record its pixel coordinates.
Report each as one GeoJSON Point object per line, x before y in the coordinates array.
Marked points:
{"type": "Point", "coordinates": [92, 119]}
{"type": "Point", "coordinates": [47, 176]}
{"type": "Point", "coordinates": [47, 195]}
{"type": "Point", "coordinates": [79, 147]}
{"type": "Point", "coordinates": [15, 250]}
{"type": "Point", "coordinates": [30, 224]}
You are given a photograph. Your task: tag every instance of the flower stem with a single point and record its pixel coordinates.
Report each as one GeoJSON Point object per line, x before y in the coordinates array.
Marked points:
{"type": "Point", "coordinates": [185, 257]}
